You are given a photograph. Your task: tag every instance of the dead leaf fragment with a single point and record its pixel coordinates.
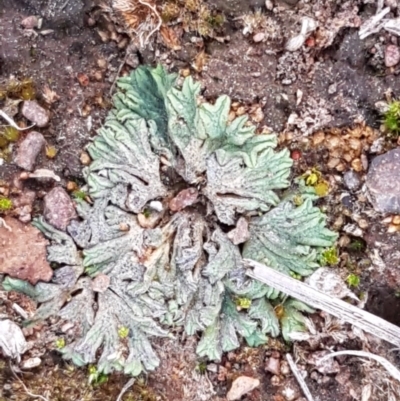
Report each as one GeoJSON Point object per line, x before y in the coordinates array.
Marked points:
{"type": "Point", "coordinates": [23, 252]}
{"type": "Point", "coordinates": [200, 61]}
{"type": "Point", "coordinates": [49, 95]}
{"type": "Point", "coordinates": [170, 38]}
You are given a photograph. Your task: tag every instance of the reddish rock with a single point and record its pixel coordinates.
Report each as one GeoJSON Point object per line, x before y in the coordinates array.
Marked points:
{"type": "Point", "coordinates": [35, 113]}
{"type": "Point", "coordinates": [392, 55]}
{"type": "Point", "coordinates": [29, 149]}
{"type": "Point", "coordinates": [185, 198]}
{"type": "Point", "coordinates": [59, 209]}
{"type": "Point", "coordinates": [100, 283]}
{"type": "Point", "coordinates": [23, 252]}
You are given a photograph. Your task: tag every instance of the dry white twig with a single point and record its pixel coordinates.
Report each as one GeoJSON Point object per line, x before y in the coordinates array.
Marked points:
{"type": "Point", "coordinates": [22, 312]}
{"type": "Point", "coordinates": [360, 318]}
{"type": "Point", "coordinates": [394, 372]}
{"type": "Point", "coordinates": [4, 224]}
{"type": "Point", "coordinates": [299, 377]}
{"type": "Point", "coordinates": [12, 122]}
{"type": "Point", "coordinates": [125, 388]}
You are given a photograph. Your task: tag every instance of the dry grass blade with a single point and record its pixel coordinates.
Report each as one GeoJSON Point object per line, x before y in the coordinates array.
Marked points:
{"type": "Point", "coordinates": [299, 377]}
{"type": "Point", "coordinates": [394, 372]}
{"type": "Point", "coordinates": [365, 321]}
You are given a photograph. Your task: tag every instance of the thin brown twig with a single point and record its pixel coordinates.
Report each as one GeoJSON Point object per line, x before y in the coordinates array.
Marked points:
{"type": "Point", "coordinates": [25, 388]}
{"type": "Point", "coordinates": [120, 69]}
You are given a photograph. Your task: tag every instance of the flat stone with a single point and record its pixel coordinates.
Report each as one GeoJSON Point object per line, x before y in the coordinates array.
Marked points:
{"type": "Point", "coordinates": [383, 182]}
{"type": "Point", "coordinates": [35, 113]}
{"type": "Point", "coordinates": [29, 150]}
{"type": "Point", "coordinates": [241, 386]}
{"type": "Point", "coordinates": [23, 252]}
{"type": "Point", "coordinates": [59, 209]}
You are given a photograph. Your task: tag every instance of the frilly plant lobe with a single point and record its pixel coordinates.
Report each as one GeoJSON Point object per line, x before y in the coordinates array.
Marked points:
{"type": "Point", "coordinates": [154, 268]}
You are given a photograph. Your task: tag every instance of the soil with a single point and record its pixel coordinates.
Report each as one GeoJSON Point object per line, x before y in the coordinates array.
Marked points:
{"type": "Point", "coordinates": [338, 85]}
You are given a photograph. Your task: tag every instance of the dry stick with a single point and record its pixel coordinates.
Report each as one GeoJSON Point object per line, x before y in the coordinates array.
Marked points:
{"type": "Point", "coordinates": [317, 299]}
{"type": "Point", "coordinates": [125, 389]}
{"type": "Point", "coordinates": [299, 377]}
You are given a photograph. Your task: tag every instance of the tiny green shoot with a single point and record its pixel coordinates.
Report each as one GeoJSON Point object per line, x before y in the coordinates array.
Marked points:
{"type": "Point", "coordinates": [353, 280]}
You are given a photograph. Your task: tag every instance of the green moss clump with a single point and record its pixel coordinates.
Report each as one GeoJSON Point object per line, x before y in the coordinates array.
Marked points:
{"type": "Point", "coordinates": [11, 134]}
{"type": "Point", "coordinates": [391, 118]}
{"type": "Point", "coordinates": [353, 280]}
{"type": "Point", "coordinates": [329, 257]}
{"type": "Point", "coordinates": [5, 204]}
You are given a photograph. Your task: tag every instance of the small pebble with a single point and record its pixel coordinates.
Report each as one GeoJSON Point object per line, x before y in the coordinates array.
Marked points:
{"type": "Point", "coordinates": [31, 363]}
{"type": "Point", "coordinates": [100, 283]}
{"type": "Point", "coordinates": [290, 393]}
{"type": "Point", "coordinates": [30, 22]}
{"type": "Point", "coordinates": [352, 180]}
{"type": "Point", "coordinates": [273, 366]}
{"type": "Point", "coordinates": [85, 159]}
{"type": "Point", "coordinates": [392, 55]}
{"type": "Point", "coordinates": [59, 209]}
{"type": "Point", "coordinates": [259, 37]}
{"type": "Point", "coordinates": [35, 113]}
{"type": "Point", "coordinates": [241, 233]}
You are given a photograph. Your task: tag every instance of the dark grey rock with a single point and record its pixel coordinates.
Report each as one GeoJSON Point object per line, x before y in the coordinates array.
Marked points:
{"type": "Point", "coordinates": [352, 180]}
{"type": "Point", "coordinates": [59, 209]}
{"type": "Point", "coordinates": [29, 149]}
{"type": "Point", "coordinates": [383, 182]}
